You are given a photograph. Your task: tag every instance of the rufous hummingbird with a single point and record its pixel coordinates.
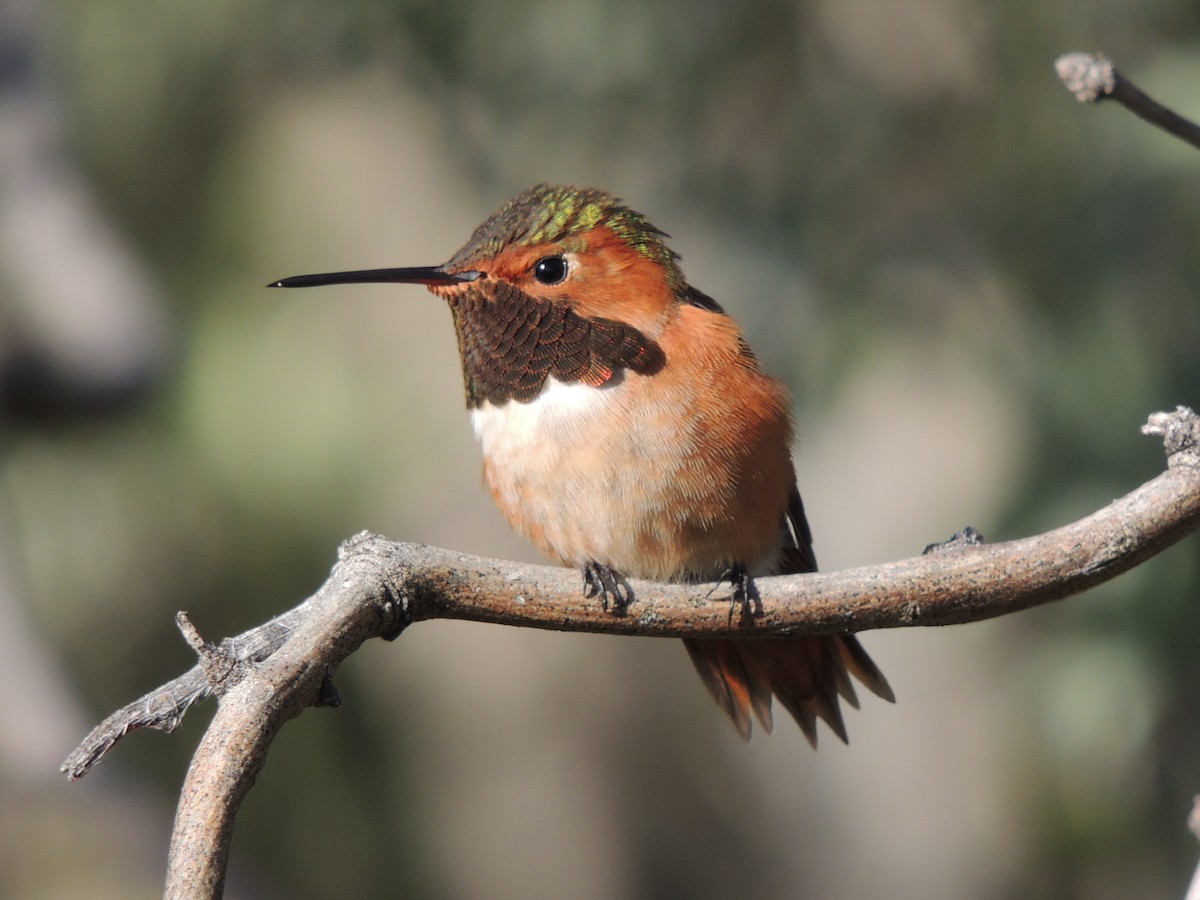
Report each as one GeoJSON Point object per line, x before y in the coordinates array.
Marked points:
{"type": "Point", "coordinates": [628, 430]}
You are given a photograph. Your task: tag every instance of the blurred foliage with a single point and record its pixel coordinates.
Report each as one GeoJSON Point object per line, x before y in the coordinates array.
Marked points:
{"type": "Point", "coordinates": [859, 183]}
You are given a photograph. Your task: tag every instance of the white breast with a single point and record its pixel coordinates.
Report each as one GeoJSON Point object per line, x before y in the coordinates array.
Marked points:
{"type": "Point", "coordinates": [556, 417]}
{"type": "Point", "coordinates": [557, 467]}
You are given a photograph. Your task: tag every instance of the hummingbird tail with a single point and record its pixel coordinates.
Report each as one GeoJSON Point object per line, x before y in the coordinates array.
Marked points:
{"type": "Point", "coordinates": [806, 674]}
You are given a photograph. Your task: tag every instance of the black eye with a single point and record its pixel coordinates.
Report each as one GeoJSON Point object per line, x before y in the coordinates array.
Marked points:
{"type": "Point", "coordinates": [550, 269]}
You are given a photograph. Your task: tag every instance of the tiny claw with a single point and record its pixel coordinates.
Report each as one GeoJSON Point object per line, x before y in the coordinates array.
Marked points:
{"type": "Point", "coordinates": [744, 595]}
{"type": "Point", "coordinates": [968, 537]}
{"type": "Point", "coordinates": [600, 580]}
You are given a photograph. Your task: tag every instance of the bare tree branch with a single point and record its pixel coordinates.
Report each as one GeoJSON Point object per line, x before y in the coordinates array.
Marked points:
{"type": "Point", "coordinates": [268, 675]}
{"type": "Point", "coordinates": [1092, 77]}
{"type": "Point", "coordinates": [379, 586]}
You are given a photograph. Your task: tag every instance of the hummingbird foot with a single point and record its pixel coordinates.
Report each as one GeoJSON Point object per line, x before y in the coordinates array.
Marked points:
{"type": "Point", "coordinates": [599, 580]}
{"type": "Point", "coordinates": [744, 596]}
{"type": "Point", "coordinates": [968, 537]}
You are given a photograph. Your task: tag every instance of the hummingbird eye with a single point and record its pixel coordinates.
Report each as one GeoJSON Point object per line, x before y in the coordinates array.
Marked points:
{"type": "Point", "coordinates": [550, 269]}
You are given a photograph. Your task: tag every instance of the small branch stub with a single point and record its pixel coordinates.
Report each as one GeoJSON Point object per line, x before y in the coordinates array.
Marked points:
{"type": "Point", "coordinates": [1180, 433]}
{"type": "Point", "coordinates": [1091, 77]}
{"type": "Point", "coordinates": [221, 668]}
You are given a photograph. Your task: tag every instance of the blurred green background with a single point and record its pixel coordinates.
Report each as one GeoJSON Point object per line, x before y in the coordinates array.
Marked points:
{"type": "Point", "coordinates": [976, 287]}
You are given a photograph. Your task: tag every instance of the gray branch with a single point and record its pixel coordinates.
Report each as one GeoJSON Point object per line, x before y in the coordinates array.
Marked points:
{"type": "Point", "coordinates": [268, 675]}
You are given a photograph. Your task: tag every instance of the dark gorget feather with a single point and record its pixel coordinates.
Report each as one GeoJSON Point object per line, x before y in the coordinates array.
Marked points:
{"type": "Point", "coordinates": [510, 343]}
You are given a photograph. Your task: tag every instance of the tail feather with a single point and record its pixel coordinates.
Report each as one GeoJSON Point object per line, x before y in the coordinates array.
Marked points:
{"type": "Point", "coordinates": [736, 689]}
{"type": "Point", "coordinates": [841, 675]}
{"type": "Point", "coordinates": [862, 667]}
{"type": "Point", "coordinates": [806, 674]}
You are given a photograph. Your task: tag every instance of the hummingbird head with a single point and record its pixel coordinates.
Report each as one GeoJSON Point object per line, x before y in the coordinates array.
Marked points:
{"type": "Point", "coordinates": [560, 282]}
{"type": "Point", "coordinates": [581, 247]}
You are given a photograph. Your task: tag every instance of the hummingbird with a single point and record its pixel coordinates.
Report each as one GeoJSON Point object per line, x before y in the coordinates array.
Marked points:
{"type": "Point", "coordinates": [628, 430]}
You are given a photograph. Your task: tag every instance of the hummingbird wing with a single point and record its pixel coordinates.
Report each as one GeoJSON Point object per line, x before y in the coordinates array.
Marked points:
{"type": "Point", "coordinates": [806, 674]}
{"type": "Point", "coordinates": [798, 555]}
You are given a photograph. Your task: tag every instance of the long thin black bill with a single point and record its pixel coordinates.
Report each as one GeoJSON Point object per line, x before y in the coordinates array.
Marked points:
{"type": "Point", "coordinates": [414, 275]}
